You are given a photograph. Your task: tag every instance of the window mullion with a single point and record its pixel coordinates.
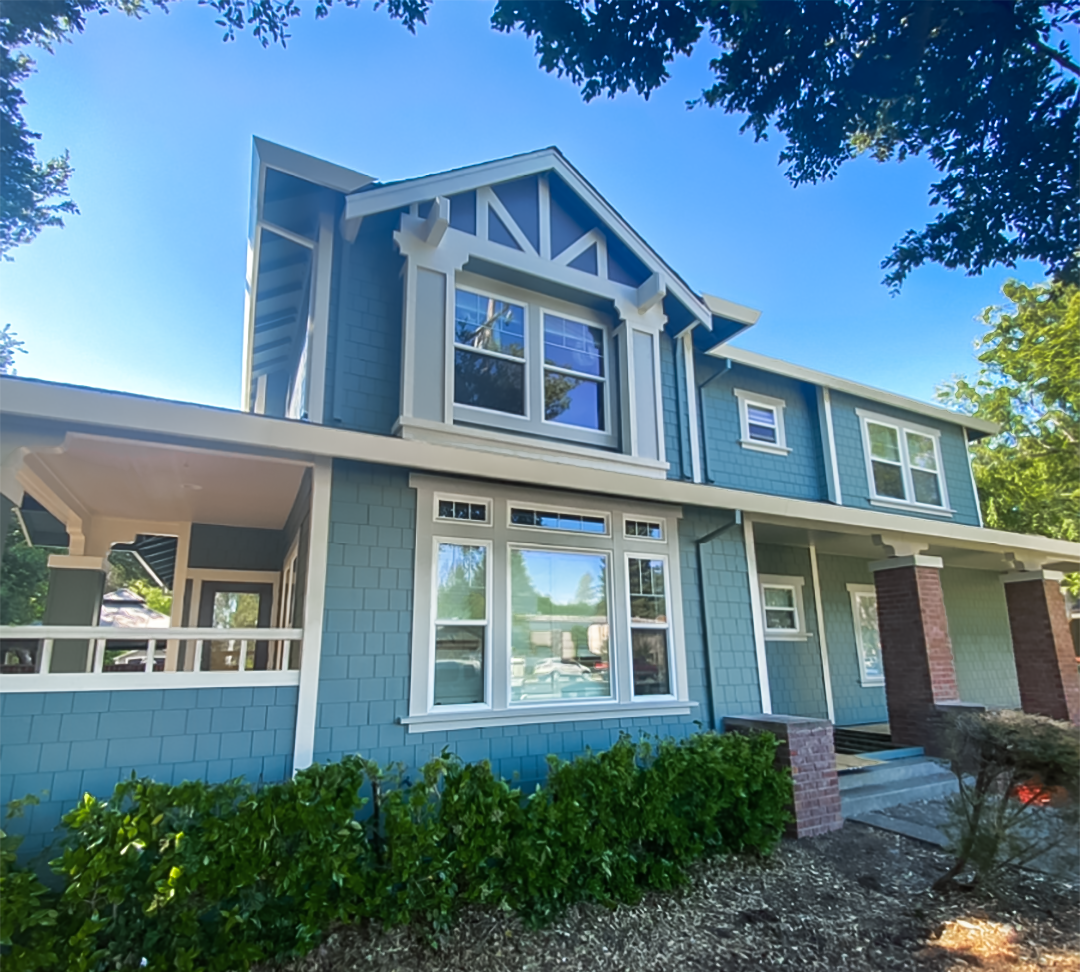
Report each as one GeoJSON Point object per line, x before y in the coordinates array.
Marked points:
{"type": "Point", "coordinates": [905, 468]}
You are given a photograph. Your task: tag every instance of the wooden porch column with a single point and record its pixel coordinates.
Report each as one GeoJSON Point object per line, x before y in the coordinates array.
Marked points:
{"type": "Point", "coordinates": [1042, 647]}
{"type": "Point", "coordinates": [916, 651]}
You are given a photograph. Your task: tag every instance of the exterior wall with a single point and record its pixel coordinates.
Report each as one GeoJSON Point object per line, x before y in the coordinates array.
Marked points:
{"type": "Point", "coordinates": [235, 548]}
{"type": "Point", "coordinates": [60, 745]}
{"type": "Point", "coordinates": [364, 366]}
{"type": "Point", "coordinates": [853, 703]}
{"type": "Point", "coordinates": [981, 642]}
{"type": "Point", "coordinates": [676, 415]}
{"type": "Point", "coordinates": [851, 459]}
{"type": "Point", "coordinates": [364, 677]}
{"type": "Point", "coordinates": [800, 474]}
{"type": "Point", "coordinates": [795, 675]}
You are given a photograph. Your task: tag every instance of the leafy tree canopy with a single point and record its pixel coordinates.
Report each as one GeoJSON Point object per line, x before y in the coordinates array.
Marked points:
{"type": "Point", "coordinates": [986, 90]}
{"type": "Point", "coordinates": [1029, 474]}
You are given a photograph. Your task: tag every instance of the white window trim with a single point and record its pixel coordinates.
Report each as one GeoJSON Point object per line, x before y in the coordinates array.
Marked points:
{"type": "Point", "coordinates": [551, 427]}
{"type": "Point", "coordinates": [557, 508]}
{"type": "Point", "coordinates": [795, 584]}
{"type": "Point", "coordinates": [536, 306]}
{"type": "Point", "coordinates": [854, 590]}
{"type": "Point", "coordinates": [461, 498]}
{"type": "Point", "coordinates": [650, 626]}
{"type": "Point", "coordinates": [497, 709]}
{"type": "Point", "coordinates": [777, 406]}
{"type": "Point", "coordinates": [639, 519]}
{"type": "Point", "coordinates": [902, 427]}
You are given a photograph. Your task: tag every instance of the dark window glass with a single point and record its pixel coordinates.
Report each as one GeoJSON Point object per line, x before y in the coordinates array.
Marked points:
{"type": "Point", "coordinates": [487, 324]}
{"type": "Point", "coordinates": [888, 480]}
{"type": "Point", "coordinates": [573, 346]}
{"type": "Point", "coordinates": [573, 401]}
{"type": "Point", "coordinates": [650, 662]}
{"type": "Point", "coordinates": [459, 664]}
{"type": "Point", "coordinates": [485, 381]}
{"type": "Point", "coordinates": [446, 509]}
{"type": "Point", "coordinates": [479, 511]}
{"type": "Point", "coordinates": [522, 517]}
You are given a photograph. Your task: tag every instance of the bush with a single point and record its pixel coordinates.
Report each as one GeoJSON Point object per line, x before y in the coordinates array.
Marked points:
{"type": "Point", "coordinates": [221, 876]}
{"type": "Point", "coordinates": [1019, 778]}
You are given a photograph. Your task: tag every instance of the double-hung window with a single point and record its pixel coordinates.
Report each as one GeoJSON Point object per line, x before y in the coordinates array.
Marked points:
{"type": "Point", "coordinates": [903, 463]}
{"type": "Point", "coordinates": [524, 362]}
{"type": "Point", "coordinates": [761, 422]}
{"type": "Point", "coordinates": [542, 608]}
{"type": "Point", "coordinates": [867, 637]}
{"type": "Point", "coordinates": [782, 607]}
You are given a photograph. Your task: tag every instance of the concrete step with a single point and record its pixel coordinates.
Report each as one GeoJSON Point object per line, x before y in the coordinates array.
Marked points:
{"type": "Point", "coordinates": [878, 796]}
{"type": "Point", "coordinates": [894, 769]}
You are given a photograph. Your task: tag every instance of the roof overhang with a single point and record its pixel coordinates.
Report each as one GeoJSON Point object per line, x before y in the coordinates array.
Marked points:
{"type": "Point", "coordinates": [976, 427]}
{"type": "Point", "coordinates": [49, 405]}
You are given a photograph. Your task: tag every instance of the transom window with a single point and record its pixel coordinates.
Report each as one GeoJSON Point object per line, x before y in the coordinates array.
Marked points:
{"type": "Point", "coordinates": [649, 529]}
{"type": "Point", "coordinates": [782, 606]}
{"type": "Point", "coordinates": [761, 422]}
{"type": "Point", "coordinates": [867, 636]}
{"type": "Point", "coordinates": [552, 520]}
{"type": "Point", "coordinates": [450, 508]}
{"type": "Point", "coordinates": [573, 373]}
{"type": "Point", "coordinates": [551, 616]}
{"type": "Point", "coordinates": [904, 463]}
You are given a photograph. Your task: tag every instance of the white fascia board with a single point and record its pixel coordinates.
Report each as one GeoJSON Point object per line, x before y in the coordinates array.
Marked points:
{"type": "Point", "coordinates": [400, 195]}
{"type": "Point", "coordinates": [731, 311]}
{"type": "Point", "coordinates": [754, 360]}
{"type": "Point", "coordinates": [309, 168]}
{"type": "Point", "coordinates": [86, 409]}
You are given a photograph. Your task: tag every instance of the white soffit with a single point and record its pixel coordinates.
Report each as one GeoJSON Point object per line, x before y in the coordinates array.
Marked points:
{"type": "Point", "coordinates": [777, 366]}
{"type": "Point", "coordinates": [151, 481]}
{"type": "Point", "coordinates": [309, 168]}
{"type": "Point", "coordinates": [730, 310]}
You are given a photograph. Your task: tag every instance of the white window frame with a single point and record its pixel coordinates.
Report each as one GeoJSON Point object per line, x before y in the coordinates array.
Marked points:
{"type": "Point", "coordinates": [795, 585]}
{"type": "Point", "coordinates": [650, 626]}
{"type": "Point", "coordinates": [638, 519]}
{"type": "Point", "coordinates": [866, 419]}
{"type": "Point", "coordinates": [460, 498]}
{"type": "Point", "coordinates": [497, 708]}
{"type": "Point", "coordinates": [533, 422]}
{"type": "Point", "coordinates": [776, 406]}
{"type": "Point", "coordinates": [611, 419]}
{"type": "Point", "coordinates": [557, 508]}
{"type": "Point", "coordinates": [488, 563]}
{"type": "Point", "coordinates": [856, 591]}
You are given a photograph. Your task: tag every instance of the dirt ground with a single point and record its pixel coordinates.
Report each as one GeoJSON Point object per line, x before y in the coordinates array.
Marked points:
{"type": "Point", "coordinates": [858, 899]}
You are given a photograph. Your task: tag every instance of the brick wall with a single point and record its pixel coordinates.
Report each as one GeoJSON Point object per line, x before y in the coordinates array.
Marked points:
{"type": "Point", "coordinates": [807, 750]}
{"type": "Point", "coordinates": [851, 460]}
{"type": "Point", "coordinates": [800, 474]}
{"type": "Point", "coordinates": [60, 745]}
{"type": "Point", "coordinates": [364, 677]}
{"type": "Point", "coordinates": [916, 651]}
{"type": "Point", "coordinates": [364, 367]}
{"type": "Point", "coordinates": [1044, 651]}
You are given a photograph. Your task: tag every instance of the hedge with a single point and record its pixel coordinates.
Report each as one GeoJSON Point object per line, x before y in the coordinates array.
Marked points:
{"type": "Point", "coordinates": [218, 876]}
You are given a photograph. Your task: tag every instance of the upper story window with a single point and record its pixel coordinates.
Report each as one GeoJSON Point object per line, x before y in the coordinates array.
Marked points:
{"type": "Point", "coordinates": [526, 363]}
{"type": "Point", "coordinates": [761, 422]}
{"type": "Point", "coordinates": [903, 463]}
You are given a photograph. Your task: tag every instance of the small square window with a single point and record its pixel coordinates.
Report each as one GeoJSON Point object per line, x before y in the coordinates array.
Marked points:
{"type": "Point", "coordinates": [782, 607]}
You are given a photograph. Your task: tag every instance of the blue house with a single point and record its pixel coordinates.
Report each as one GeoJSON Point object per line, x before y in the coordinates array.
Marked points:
{"type": "Point", "coordinates": [499, 483]}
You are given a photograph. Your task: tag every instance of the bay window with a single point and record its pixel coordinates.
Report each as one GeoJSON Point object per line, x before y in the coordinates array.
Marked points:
{"type": "Point", "coordinates": [539, 610]}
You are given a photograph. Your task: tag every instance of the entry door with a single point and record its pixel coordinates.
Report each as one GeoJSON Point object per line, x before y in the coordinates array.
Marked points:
{"type": "Point", "coordinates": [230, 604]}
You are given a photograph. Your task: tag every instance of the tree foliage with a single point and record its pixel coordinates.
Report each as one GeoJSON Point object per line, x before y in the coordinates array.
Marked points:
{"type": "Point", "coordinates": [24, 578]}
{"type": "Point", "coordinates": [986, 90]}
{"type": "Point", "coordinates": [9, 345]}
{"type": "Point", "coordinates": [1028, 475]}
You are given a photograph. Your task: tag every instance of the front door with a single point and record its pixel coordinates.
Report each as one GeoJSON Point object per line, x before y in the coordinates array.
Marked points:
{"type": "Point", "coordinates": [230, 604]}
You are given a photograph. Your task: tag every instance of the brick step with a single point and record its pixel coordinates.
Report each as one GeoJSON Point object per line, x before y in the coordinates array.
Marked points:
{"type": "Point", "coordinates": [882, 795]}
{"type": "Point", "coordinates": [910, 767]}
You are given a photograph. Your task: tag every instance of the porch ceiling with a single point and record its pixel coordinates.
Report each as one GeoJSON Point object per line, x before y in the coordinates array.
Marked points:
{"type": "Point", "coordinates": [862, 545]}
{"type": "Point", "coordinates": [148, 481]}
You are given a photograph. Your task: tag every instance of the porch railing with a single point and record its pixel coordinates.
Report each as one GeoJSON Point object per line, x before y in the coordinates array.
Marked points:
{"type": "Point", "coordinates": [158, 655]}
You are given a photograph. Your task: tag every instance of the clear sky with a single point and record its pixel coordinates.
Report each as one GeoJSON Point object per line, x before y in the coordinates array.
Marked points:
{"type": "Point", "coordinates": [144, 291]}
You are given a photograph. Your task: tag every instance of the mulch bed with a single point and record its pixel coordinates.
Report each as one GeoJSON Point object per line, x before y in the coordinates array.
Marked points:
{"type": "Point", "coordinates": [858, 899]}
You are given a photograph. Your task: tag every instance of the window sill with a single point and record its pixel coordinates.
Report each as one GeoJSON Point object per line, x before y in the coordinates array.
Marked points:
{"type": "Point", "coordinates": [912, 507]}
{"type": "Point", "coordinates": [794, 636]}
{"type": "Point", "coordinates": [504, 443]}
{"type": "Point", "coordinates": [872, 683]}
{"type": "Point", "coordinates": [445, 722]}
{"type": "Point", "coordinates": [776, 450]}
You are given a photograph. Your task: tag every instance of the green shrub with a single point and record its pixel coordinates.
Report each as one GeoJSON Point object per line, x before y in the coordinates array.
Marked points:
{"type": "Point", "coordinates": [28, 915]}
{"type": "Point", "coordinates": [220, 876]}
{"type": "Point", "coordinates": [1019, 795]}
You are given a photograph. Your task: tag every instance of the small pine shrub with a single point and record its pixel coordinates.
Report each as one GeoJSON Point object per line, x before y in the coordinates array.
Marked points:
{"type": "Point", "coordinates": [216, 877]}
{"type": "Point", "coordinates": [1019, 795]}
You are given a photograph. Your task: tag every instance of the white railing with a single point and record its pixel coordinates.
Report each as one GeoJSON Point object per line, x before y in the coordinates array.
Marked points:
{"type": "Point", "coordinates": [180, 668]}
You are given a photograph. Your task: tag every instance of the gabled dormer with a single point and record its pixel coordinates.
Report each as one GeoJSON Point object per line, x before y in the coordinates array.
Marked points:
{"type": "Point", "coordinates": [503, 306]}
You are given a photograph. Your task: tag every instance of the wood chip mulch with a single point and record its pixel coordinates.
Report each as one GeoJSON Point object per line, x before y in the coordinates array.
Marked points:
{"type": "Point", "coordinates": [858, 899]}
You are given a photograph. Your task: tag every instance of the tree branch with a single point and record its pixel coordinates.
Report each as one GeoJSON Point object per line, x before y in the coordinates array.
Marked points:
{"type": "Point", "coordinates": [1057, 56]}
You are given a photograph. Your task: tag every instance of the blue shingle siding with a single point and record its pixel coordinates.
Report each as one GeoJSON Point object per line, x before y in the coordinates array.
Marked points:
{"type": "Point", "coordinates": [364, 677]}
{"type": "Point", "coordinates": [852, 462]}
{"type": "Point", "coordinates": [800, 474]}
{"type": "Point", "coordinates": [676, 416]}
{"type": "Point", "coordinates": [853, 703]}
{"type": "Point", "coordinates": [981, 640]}
{"type": "Point", "coordinates": [60, 745]}
{"type": "Point", "coordinates": [796, 678]}
{"type": "Point", "coordinates": [364, 367]}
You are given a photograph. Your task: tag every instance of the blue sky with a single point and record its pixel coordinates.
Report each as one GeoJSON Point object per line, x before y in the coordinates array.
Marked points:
{"type": "Point", "coordinates": [144, 291]}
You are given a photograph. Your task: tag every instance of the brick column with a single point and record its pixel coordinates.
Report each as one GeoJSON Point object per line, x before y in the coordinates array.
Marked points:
{"type": "Point", "coordinates": [806, 748]}
{"type": "Point", "coordinates": [915, 648]}
{"type": "Point", "coordinates": [1042, 646]}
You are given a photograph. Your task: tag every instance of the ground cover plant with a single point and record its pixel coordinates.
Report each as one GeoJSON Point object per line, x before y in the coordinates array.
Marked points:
{"type": "Point", "coordinates": [200, 876]}
{"type": "Point", "coordinates": [1019, 795]}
